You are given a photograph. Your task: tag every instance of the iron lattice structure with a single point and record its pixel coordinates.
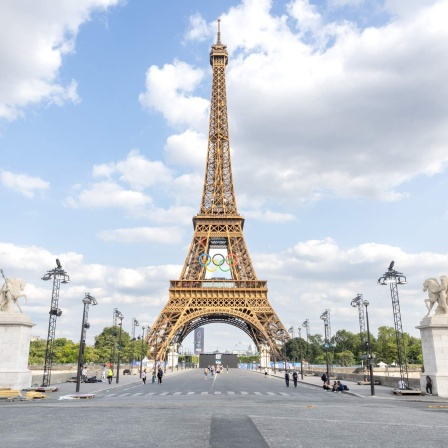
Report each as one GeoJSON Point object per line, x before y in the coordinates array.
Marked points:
{"type": "Point", "coordinates": [306, 325]}
{"type": "Point", "coordinates": [358, 302]}
{"type": "Point", "coordinates": [395, 278]}
{"type": "Point", "coordinates": [59, 276]}
{"type": "Point", "coordinates": [199, 297]}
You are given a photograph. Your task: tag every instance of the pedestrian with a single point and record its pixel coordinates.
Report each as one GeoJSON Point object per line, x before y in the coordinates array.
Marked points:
{"type": "Point", "coordinates": [295, 376]}
{"type": "Point", "coordinates": [160, 375]}
{"type": "Point", "coordinates": [110, 375]}
{"type": "Point", "coordinates": [227, 369]}
{"type": "Point", "coordinates": [326, 386]}
{"type": "Point", "coordinates": [401, 384]}
{"type": "Point", "coordinates": [103, 372]}
{"type": "Point", "coordinates": [206, 373]}
{"type": "Point", "coordinates": [287, 378]}
{"type": "Point", "coordinates": [265, 372]}
{"type": "Point", "coordinates": [144, 376]}
{"type": "Point", "coordinates": [428, 385]}
{"type": "Point", "coordinates": [153, 376]}
{"type": "Point", "coordinates": [84, 374]}
{"type": "Point", "coordinates": [212, 372]}
{"type": "Point", "coordinates": [324, 377]}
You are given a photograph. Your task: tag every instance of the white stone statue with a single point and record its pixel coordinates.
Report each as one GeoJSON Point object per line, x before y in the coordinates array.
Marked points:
{"type": "Point", "coordinates": [437, 293]}
{"type": "Point", "coordinates": [10, 293]}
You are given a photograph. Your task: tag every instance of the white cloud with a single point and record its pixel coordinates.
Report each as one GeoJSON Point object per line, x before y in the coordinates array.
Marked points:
{"type": "Point", "coordinates": [136, 171]}
{"type": "Point", "coordinates": [34, 38]}
{"type": "Point", "coordinates": [23, 184]}
{"type": "Point", "coordinates": [268, 216]}
{"type": "Point", "coordinates": [162, 235]}
{"type": "Point", "coordinates": [109, 194]}
{"type": "Point", "coordinates": [187, 149]}
{"type": "Point", "coordinates": [169, 91]}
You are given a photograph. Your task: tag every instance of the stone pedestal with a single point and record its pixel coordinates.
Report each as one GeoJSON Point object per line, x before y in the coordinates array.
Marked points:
{"type": "Point", "coordinates": [434, 336]}
{"type": "Point", "coordinates": [173, 357]}
{"type": "Point", "coordinates": [265, 357]}
{"type": "Point", "coordinates": [15, 336]}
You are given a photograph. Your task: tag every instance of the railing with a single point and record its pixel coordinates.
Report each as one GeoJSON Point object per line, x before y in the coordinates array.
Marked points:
{"type": "Point", "coordinates": [210, 283]}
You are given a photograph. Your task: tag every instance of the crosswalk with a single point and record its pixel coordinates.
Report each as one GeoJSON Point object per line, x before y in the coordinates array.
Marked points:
{"type": "Point", "coordinates": [189, 393]}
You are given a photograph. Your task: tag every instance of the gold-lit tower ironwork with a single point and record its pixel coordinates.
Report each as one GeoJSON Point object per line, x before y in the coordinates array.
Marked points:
{"type": "Point", "coordinates": [218, 281]}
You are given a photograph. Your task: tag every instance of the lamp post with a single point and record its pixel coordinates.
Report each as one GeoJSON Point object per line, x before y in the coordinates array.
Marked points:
{"type": "Point", "coordinates": [284, 344]}
{"type": "Point", "coordinates": [88, 300]}
{"type": "Point", "coordinates": [301, 356]}
{"type": "Point", "coordinates": [357, 302]}
{"type": "Point", "coordinates": [141, 351]}
{"type": "Point", "coordinates": [59, 276]}
{"type": "Point", "coordinates": [325, 316]}
{"type": "Point", "coordinates": [393, 278]}
{"type": "Point", "coordinates": [134, 324]}
{"type": "Point", "coordinates": [291, 332]}
{"type": "Point", "coordinates": [370, 358]}
{"type": "Point", "coordinates": [121, 317]}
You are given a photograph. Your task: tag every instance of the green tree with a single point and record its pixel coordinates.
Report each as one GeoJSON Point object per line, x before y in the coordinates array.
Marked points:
{"type": "Point", "coordinates": [37, 352]}
{"type": "Point", "coordinates": [107, 342]}
{"type": "Point", "coordinates": [345, 358]}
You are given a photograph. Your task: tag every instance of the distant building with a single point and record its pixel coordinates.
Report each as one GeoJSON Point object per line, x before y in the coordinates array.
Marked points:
{"type": "Point", "coordinates": [198, 341]}
{"type": "Point", "coordinates": [35, 338]}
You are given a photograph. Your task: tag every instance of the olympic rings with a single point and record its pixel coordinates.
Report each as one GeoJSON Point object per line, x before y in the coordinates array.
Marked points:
{"type": "Point", "coordinates": [230, 260]}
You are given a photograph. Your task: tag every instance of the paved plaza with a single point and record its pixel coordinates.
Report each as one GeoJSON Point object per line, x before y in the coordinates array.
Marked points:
{"type": "Point", "coordinates": [241, 408]}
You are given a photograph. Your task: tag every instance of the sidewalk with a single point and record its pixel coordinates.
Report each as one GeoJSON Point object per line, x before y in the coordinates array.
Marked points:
{"type": "Point", "coordinates": [104, 387]}
{"type": "Point", "coordinates": [363, 391]}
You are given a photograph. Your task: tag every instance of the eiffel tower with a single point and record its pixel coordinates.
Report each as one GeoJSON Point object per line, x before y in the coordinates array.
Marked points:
{"type": "Point", "coordinates": [218, 281]}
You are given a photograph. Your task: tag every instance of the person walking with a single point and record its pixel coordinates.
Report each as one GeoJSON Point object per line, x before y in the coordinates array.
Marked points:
{"type": "Point", "coordinates": [153, 377]}
{"type": "Point", "coordinates": [110, 375]}
{"type": "Point", "coordinates": [144, 376]}
{"type": "Point", "coordinates": [265, 372]}
{"type": "Point", "coordinates": [212, 372]}
{"type": "Point", "coordinates": [227, 369]}
{"type": "Point", "coordinates": [287, 378]}
{"type": "Point", "coordinates": [160, 375]}
{"type": "Point", "coordinates": [103, 372]}
{"type": "Point", "coordinates": [206, 373]}
{"type": "Point", "coordinates": [295, 376]}
{"type": "Point", "coordinates": [428, 385]}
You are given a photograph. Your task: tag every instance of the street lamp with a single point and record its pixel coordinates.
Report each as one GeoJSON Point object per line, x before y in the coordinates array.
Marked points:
{"type": "Point", "coordinates": [325, 316]}
{"type": "Point", "coordinates": [88, 300]}
{"type": "Point", "coordinates": [301, 356]}
{"type": "Point", "coordinates": [121, 317]}
{"type": "Point", "coordinates": [59, 276]}
{"type": "Point", "coordinates": [372, 382]}
{"type": "Point", "coordinates": [291, 332]}
{"type": "Point", "coordinates": [134, 324]}
{"type": "Point", "coordinates": [141, 351]}
{"type": "Point", "coordinates": [358, 302]}
{"type": "Point", "coordinates": [393, 278]}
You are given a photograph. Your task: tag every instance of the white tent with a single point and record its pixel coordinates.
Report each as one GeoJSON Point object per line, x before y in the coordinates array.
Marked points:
{"type": "Point", "coordinates": [382, 364]}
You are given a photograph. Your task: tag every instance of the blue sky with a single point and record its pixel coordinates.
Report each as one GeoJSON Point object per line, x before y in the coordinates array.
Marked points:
{"type": "Point", "coordinates": [338, 125]}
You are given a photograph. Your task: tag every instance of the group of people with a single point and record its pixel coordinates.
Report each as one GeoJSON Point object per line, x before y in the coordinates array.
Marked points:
{"type": "Point", "coordinates": [159, 375]}
{"type": "Point", "coordinates": [212, 370]}
{"type": "Point", "coordinates": [336, 387]}
{"type": "Point", "coordinates": [295, 377]}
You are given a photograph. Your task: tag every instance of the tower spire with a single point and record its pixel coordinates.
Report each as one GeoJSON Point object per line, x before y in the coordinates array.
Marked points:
{"type": "Point", "coordinates": [219, 32]}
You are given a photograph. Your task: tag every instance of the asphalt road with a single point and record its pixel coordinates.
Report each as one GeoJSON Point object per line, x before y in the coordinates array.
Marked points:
{"type": "Point", "coordinates": [236, 409]}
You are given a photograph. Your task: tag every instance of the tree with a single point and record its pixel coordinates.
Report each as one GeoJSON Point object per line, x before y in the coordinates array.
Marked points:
{"type": "Point", "coordinates": [37, 352]}
{"type": "Point", "coordinates": [107, 342]}
{"type": "Point", "coordinates": [345, 358]}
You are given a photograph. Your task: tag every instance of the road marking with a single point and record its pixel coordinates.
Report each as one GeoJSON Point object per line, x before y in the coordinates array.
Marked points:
{"type": "Point", "coordinates": [258, 393]}
{"type": "Point", "coordinates": [217, 393]}
{"type": "Point", "coordinates": [244, 393]}
{"type": "Point", "coordinates": [284, 393]}
{"type": "Point", "coordinates": [204, 393]}
{"type": "Point", "coordinates": [137, 394]}
{"type": "Point", "coordinates": [231, 393]}
{"type": "Point", "coordinates": [124, 395]}
{"type": "Point", "coordinates": [191, 393]}
{"type": "Point", "coordinates": [109, 395]}
{"type": "Point", "coordinates": [177, 393]}
{"type": "Point", "coordinates": [270, 393]}
{"type": "Point", "coordinates": [164, 393]}
{"type": "Point", "coordinates": [151, 393]}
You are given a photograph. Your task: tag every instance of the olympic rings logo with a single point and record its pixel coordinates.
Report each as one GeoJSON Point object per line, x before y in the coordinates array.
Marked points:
{"type": "Point", "coordinates": [206, 260]}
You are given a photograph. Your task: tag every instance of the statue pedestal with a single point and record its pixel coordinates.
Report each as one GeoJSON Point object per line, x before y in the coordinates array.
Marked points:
{"type": "Point", "coordinates": [265, 357]}
{"type": "Point", "coordinates": [434, 336]}
{"type": "Point", "coordinates": [173, 357]}
{"type": "Point", "coordinates": [15, 336]}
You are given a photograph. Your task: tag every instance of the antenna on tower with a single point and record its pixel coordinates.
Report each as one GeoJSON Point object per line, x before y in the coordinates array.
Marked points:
{"type": "Point", "coordinates": [219, 31]}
